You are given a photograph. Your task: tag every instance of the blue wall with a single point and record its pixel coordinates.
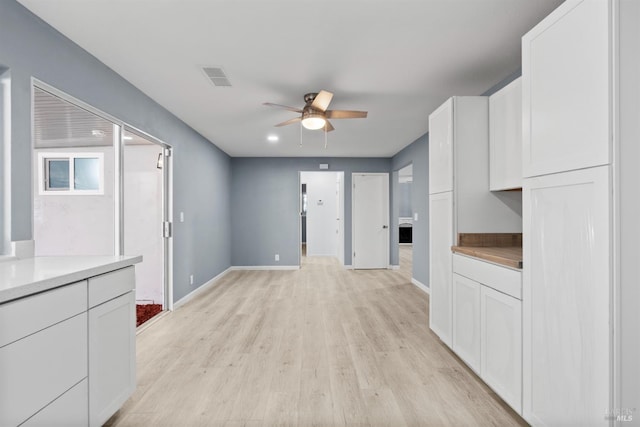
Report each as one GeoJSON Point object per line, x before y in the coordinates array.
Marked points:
{"type": "Point", "coordinates": [202, 172]}
{"type": "Point", "coordinates": [405, 199]}
{"type": "Point", "coordinates": [416, 153]}
{"type": "Point", "coordinates": [265, 205]}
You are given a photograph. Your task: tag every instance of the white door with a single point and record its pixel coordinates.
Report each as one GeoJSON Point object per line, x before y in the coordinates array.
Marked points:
{"type": "Point", "coordinates": [440, 241]}
{"type": "Point", "coordinates": [370, 222]}
{"type": "Point", "coordinates": [566, 298]}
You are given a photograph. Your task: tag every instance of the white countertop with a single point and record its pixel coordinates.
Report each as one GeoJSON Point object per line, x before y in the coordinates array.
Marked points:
{"type": "Point", "coordinates": [23, 277]}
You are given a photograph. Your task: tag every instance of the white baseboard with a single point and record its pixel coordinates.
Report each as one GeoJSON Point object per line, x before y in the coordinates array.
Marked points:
{"type": "Point", "coordinates": [264, 267]}
{"type": "Point", "coordinates": [348, 267]}
{"type": "Point", "coordinates": [393, 267]}
{"type": "Point", "coordinates": [421, 286]}
{"type": "Point", "coordinates": [196, 291]}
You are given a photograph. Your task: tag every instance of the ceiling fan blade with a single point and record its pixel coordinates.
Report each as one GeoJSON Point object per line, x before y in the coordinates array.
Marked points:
{"type": "Point", "coordinates": [345, 114]}
{"type": "Point", "coordinates": [289, 122]}
{"type": "Point", "coordinates": [322, 100]}
{"type": "Point", "coordinates": [270, 104]}
{"type": "Point", "coordinates": [328, 127]}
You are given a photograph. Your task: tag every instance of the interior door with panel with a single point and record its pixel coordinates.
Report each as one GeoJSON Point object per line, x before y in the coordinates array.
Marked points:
{"type": "Point", "coordinates": [441, 148]}
{"type": "Point", "coordinates": [370, 220]}
{"type": "Point", "coordinates": [565, 89]}
{"type": "Point", "coordinates": [566, 298]}
{"type": "Point", "coordinates": [440, 242]}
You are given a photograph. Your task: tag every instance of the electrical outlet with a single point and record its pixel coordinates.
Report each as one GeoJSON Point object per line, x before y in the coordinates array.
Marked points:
{"type": "Point", "coordinates": [181, 216]}
{"type": "Point", "coordinates": [191, 279]}
{"type": "Point", "coordinates": [415, 216]}
{"type": "Point", "coordinates": [277, 257]}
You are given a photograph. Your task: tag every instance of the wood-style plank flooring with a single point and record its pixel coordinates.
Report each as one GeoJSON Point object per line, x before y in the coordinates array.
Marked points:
{"type": "Point", "coordinates": [322, 346]}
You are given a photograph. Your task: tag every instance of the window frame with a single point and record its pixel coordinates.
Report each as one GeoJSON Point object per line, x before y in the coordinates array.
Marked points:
{"type": "Point", "coordinates": [44, 159]}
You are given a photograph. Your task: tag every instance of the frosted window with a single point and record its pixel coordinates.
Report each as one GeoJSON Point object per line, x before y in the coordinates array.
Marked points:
{"type": "Point", "coordinates": [57, 174]}
{"type": "Point", "coordinates": [86, 172]}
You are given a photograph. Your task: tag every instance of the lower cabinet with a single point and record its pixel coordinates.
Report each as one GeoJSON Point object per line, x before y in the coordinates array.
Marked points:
{"type": "Point", "coordinates": [487, 325]}
{"type": "Point", "coordinates": [69, 410]}
{"type": "Point", "coordinates": [466, 320]}
{"type": "Point", "coordinates": [501, 345]}
{"type": "Point", "coordinates": [112, 369]}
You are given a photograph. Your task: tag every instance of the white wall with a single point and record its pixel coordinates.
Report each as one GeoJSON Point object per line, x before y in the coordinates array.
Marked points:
{"type": "Point", "coordinates": [75, 224]}
{"type": "Point", "coordinates": [143, 192]}
{"type": "Point", "coordinates": [322, 206]}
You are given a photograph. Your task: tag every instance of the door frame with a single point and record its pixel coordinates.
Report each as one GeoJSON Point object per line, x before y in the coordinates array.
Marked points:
{"type": "Point", "coordinates": [167, 208]}
{"type": "Point", "coordinates": [353, 210]}
{"type": "Point", "coordinates": [343, 196]}
{"type": "Point", "coordinates": [119, 177]}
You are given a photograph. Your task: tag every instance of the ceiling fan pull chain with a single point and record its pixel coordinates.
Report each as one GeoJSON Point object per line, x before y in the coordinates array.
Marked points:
{"type": "Point", "coordinates": [325, 136]}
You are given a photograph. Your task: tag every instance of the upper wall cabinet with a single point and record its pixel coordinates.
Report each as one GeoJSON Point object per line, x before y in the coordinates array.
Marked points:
{"type": "Point", "coordinates": [505, 137]}
{"type": "Point", "coordinates": [441, 149]}
{"type": "Point", "coordinates": [565, 89]}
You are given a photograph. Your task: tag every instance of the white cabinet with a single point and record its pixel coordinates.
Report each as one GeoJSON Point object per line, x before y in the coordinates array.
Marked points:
{"type": "Point", "coordinates": [440, 241]}
{"type": "Point", "coordinates": [565, 83]}
{"type": "Point", "coordinates": [501, 344]}
{"type": "Point", "coordinates": [69, 410]}
{"type": "Point", "coordinates": [460, 201]}
{"type": "Point", "coordinates": [567, 297]}
{"type": "Point", "coordinates": [505, 137]}
{"type": "Point", "coordinates": [487, 324]}
{"type": "Point", "coordinates": [43, 350]}
{"type": "Point", "coordinates": [441, 148]}
{"type": "Point", "coordinates": [466, 320]}
{"type": "Point", "coordinates": [112, 374]}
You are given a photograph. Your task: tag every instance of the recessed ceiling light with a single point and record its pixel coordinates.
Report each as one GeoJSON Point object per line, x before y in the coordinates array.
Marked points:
{"type": "Point", "coordinates": [273, 138]}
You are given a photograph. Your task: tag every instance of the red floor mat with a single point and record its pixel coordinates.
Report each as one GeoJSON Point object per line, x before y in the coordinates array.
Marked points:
{"type": "Point", "coordinates": [145, 312]}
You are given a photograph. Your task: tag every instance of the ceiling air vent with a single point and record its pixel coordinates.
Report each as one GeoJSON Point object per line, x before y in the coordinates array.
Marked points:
{"type": "Point", "coordinates": [217, 76]}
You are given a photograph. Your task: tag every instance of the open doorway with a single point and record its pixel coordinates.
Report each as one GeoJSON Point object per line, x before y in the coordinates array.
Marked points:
{"type": "Point", "coordinates": [405, 219]}
{"type": "Point", "coordinates": [145, 209]}
{"type": "Point", "coordinates": [321, 215]}
{"type": "Point", "coordinates": [100, 188]}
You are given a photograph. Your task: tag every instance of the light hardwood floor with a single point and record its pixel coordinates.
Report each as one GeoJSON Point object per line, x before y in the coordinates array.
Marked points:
{"type": "Point", "coordinates": [321, 346]}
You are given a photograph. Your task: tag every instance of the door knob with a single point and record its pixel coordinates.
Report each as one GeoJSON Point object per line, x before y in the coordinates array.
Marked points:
{"type": "Point", "coordinates": [385, 226]}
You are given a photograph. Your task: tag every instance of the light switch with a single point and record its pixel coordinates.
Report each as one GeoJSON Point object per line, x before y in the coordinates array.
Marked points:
{"type": "Point", "coordinates": [415, 216]}
{"type": "Point", "coordinates": [181, 216]}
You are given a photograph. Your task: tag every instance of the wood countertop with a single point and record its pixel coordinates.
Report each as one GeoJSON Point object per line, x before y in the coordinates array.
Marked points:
{"type": "Point", "coordinates": [507, 256]}
{"type": "Point", "coordinates": [500, 248]}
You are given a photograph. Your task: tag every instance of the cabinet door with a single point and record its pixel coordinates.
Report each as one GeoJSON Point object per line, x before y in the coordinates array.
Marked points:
{"type": "Point", "coordinates": [466, 320]}
{"type": "Point", "coordinates": [565, 88]}
{"type": "Point", "coordinates": [566, 298]}
{"type": "Point", "coordinates": [441, 239]}
{"type": "Point", "coordinates": [441, 149]}
{"type": "Point", "coordinates": [112, 356]}
{"type": "Point", "coordinates": [69, 410]}
{"type": "Point", "coordinates": [501, 344]}
{"type": "Point", "coordinates": [505, 137]}
{"type": "Point", "coordinates": [37, 369]}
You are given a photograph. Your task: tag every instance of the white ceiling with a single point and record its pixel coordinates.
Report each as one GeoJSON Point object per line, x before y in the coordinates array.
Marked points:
{"type": "Point", "coordinates": [398, 60]}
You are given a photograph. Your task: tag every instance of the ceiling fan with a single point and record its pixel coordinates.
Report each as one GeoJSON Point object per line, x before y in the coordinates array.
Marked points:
{"type": "Point", "coordinates": [314, 115]}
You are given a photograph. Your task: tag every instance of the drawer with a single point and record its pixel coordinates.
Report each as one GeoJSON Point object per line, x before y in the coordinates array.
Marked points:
{"type": "Point", "coordinates": [69, 410]}
{"type": "Point", "coordinates": [41, 367]}
{"type": "Point", "coordinates": [503, 279]}
{"type": "Point", "coordinates": [111, 285]}
{"type": "Point", "coordinates": [32, 314]}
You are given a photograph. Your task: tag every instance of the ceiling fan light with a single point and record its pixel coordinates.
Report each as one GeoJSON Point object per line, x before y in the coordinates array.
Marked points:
{"type": "Point", "coordinates": [313, 121]}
